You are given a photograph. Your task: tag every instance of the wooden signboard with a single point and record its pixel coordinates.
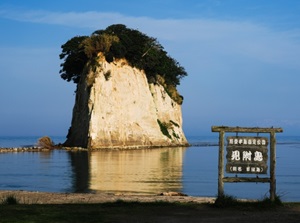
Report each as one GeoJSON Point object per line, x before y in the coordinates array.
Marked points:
{"type": "Point", "coordinates": [247, 155]}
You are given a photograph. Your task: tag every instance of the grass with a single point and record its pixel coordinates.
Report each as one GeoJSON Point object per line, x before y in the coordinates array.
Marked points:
{"type": "Point", "coordinates": [10, 200]}
{"type": "Point", "coordinates": [230, 201]}
{"type": "Point", "coordinates": [106, 212]}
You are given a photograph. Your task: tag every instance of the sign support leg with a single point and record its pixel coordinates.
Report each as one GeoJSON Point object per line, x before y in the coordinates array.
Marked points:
{"type": "Point", "coordinates": [221, 165]}
{"type": "Point", "coordinates": [272, 166]}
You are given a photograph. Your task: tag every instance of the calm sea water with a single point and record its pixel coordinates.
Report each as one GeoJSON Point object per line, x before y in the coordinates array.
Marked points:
{"type": "Point", "coordinates": [192, 170]}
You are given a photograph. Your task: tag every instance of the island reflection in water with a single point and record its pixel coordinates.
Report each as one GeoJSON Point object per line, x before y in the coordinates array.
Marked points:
{"type": "Point", "coordinates": [144, 171]}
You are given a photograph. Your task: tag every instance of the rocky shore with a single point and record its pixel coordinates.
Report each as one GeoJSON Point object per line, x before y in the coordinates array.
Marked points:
{"type": "Point", "coordinates": [22, 149]}
{"type": "Point", "coordinates": [37, 149]}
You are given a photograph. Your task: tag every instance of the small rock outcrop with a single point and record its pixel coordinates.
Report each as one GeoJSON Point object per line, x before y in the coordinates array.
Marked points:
{"type": "Point", "coordinates": [116, 107]}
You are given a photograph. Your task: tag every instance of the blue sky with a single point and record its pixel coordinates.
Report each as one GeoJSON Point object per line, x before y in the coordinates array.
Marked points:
{"type": "Point", "coordinates": [241, 56]}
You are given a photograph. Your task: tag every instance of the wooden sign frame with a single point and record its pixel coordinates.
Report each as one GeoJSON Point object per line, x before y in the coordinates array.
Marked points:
{"type": "Point", "coordinates": [271, 179]}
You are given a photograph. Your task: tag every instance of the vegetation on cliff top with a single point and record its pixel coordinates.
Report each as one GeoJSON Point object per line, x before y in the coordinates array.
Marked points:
{"type": "Point", "coordinates": [116, 42]}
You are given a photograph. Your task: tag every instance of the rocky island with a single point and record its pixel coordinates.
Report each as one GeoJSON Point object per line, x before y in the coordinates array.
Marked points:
{"type": "Point", "coordinates": [126, 94]}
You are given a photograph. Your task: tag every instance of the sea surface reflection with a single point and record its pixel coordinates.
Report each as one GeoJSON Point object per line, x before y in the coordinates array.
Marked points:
{"type": "Point", "coordinates": [146, 171]}
{"type": "Point", "coordinates": [192, 170]}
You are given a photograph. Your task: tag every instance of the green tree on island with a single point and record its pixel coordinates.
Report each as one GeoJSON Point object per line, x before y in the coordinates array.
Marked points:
{"type": "Point", "coordinates": [116, 42]}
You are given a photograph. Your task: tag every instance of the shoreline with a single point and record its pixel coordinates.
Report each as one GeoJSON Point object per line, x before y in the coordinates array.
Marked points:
{"type": "Point", "coordinates": [35, 197]}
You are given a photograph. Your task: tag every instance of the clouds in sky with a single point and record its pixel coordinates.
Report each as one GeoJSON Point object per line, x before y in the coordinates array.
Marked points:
{"type": "Point", "coordinates": [235, 37]}
{"type": "Point", "coordinates": [239, 70]}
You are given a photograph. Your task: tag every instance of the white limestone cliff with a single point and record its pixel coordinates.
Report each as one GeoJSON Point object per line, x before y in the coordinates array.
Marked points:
{"type": "Point", "coordinates": [115, 107]}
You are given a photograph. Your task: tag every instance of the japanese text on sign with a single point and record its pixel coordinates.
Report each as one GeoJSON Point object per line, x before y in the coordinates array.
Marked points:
{"type": "Point", "coordinates": [247, 155]}
{"type": "Point", "coordinates": [237, 155]}
{"type": "Point", "coordinates": [247, 141]}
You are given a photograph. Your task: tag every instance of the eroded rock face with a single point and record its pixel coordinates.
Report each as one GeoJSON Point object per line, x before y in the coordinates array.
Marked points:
{"type": "Point", "coordinates": [115, 107]}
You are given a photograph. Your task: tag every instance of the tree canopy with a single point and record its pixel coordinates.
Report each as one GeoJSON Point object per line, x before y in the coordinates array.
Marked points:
{"type": "Point", "coordinates": [116, 42]}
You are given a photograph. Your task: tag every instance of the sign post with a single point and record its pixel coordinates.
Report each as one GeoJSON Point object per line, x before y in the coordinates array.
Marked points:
{"type": "Point", "coordinates": [247, 155]}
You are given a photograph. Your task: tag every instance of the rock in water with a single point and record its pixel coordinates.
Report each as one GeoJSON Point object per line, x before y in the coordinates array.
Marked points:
{"type": "Point", "coordinates": [116, 107]}
{"type": "Point", "coordinates": [46, 143]}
